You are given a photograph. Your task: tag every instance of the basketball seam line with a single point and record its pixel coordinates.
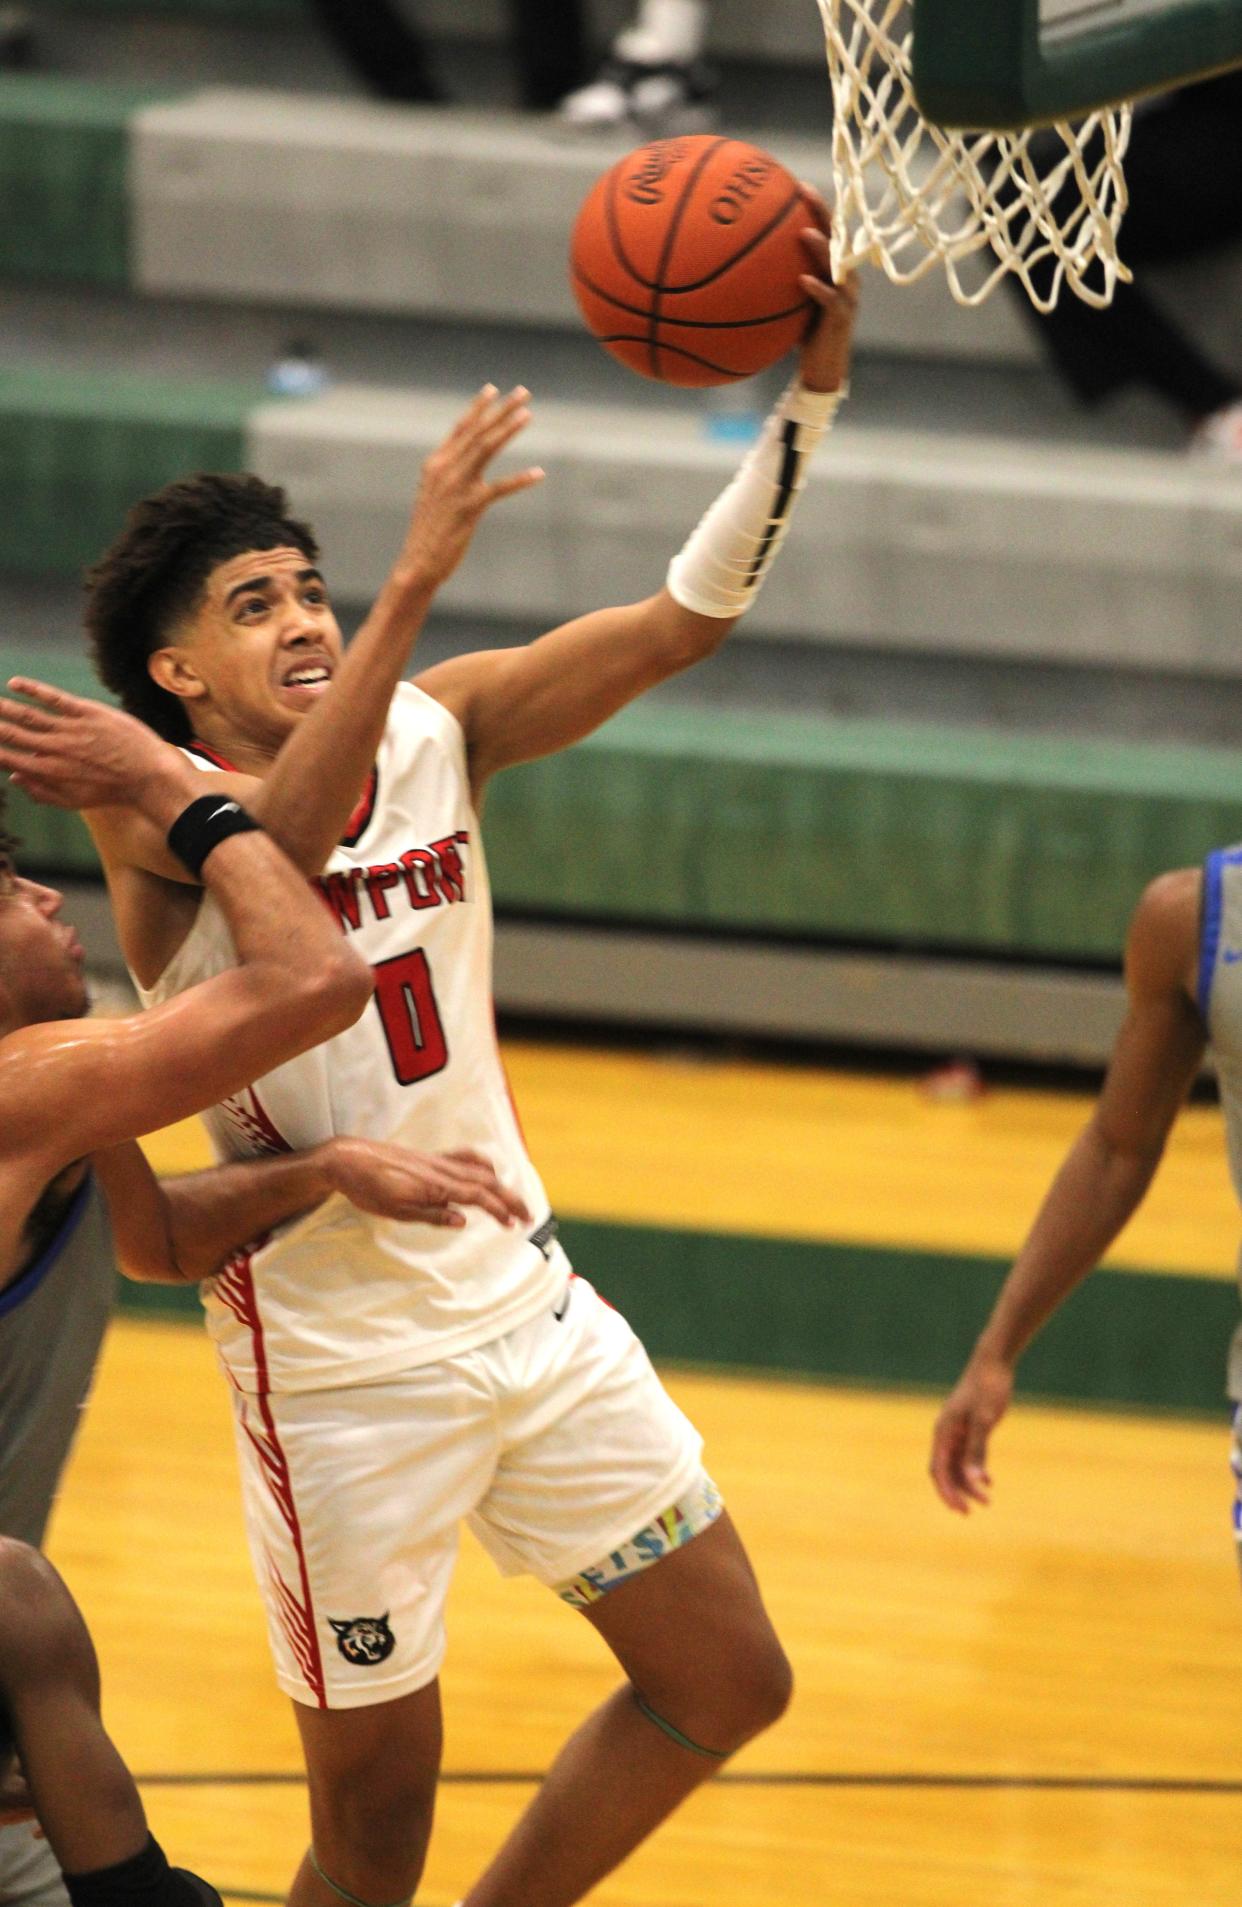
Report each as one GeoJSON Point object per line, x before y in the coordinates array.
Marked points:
{"type": "Point", "coordinates": [670, 239]}
{"type": "Point", "coordinates": [610, 214]}
{"type": "Point", "coordinates": [696, 324]}
{"type": "Point", "coordinates": [697, 284]}
{"type": "Point", "coordinates": [674, 351]}
{"type": "Point", "coordinates": [751, 245]}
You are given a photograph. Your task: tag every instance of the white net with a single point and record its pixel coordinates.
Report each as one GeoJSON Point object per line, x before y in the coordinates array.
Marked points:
{"type": "Point", "coordinates": [1044, 204]}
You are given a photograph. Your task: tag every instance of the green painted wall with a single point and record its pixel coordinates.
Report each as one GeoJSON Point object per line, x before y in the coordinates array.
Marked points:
{"type": "Point", "coordinates": [777, 825]}
{"type": "Point", "coordinates": [899, 833]}
{"type": "Point", "coordinates": [77, 449]}
{"type": "Point", "coordinates": [64, 177]}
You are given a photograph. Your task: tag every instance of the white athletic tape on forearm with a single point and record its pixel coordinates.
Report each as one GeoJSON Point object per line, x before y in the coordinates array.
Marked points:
{"type": "Point", "coordinates": [721, 568]}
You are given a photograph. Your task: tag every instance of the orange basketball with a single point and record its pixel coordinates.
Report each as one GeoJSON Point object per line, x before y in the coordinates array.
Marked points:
{"type": "Point", "coordinates": [686, 257]}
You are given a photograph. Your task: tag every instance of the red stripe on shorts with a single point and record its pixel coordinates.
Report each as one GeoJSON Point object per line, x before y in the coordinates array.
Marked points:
{"type": "Point", "coordinates": [235, 1288]}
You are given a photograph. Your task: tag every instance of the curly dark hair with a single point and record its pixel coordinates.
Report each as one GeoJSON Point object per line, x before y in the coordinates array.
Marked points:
{"type": "Point", "coordinates": [155, 573]}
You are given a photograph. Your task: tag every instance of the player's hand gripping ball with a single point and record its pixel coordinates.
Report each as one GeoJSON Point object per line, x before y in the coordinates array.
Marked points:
{"type": "Point", "coordinates": [686, 257]}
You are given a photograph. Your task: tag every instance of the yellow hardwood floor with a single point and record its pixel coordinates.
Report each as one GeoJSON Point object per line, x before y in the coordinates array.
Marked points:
{"type": "Point", "coordinates": [1084, 1631]}
{"type": "Point", "coordinates": [799, 1152]}
{"type": "Point", "coordinates": [983, 1706]}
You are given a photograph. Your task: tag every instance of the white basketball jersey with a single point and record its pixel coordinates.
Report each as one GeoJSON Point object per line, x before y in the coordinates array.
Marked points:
{"type": "Point", "coordinates": [338, 1297]}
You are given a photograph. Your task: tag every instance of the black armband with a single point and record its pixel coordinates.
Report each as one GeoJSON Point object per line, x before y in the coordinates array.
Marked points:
{"type": "Point", "coordinates": [203, 825]}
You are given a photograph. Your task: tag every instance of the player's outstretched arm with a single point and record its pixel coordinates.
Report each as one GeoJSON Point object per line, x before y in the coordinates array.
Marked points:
{"type": "Point", "coordinates": [516, 704]}
{"type": "Point", "coordinates": [179, 1230]}
{"type": "Point", "coordinates": [305, 800]}
{"type": "Point", "coordinates": [1101, 1183]}
{"type": "Point", "coordinates": [73, 1087]}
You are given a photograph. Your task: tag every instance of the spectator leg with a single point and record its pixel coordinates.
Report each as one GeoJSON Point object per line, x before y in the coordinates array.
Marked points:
{"type": "Point", "coordinates": [383, 48]}
{"type": "Point", "coordinates": [550, 49]}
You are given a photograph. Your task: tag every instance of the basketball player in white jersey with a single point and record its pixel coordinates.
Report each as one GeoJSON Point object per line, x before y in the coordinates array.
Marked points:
{"type": "Point", "coordinates": [1184, 985]}
{"type": "Point", "coordinates": [389, 1385]}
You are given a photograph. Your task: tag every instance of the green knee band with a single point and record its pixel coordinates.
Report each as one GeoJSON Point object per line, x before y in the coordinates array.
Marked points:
{"type": "Point", "coordinates": [341, 1893]}
{"type": "Point", "coordinates": [675, 1734]}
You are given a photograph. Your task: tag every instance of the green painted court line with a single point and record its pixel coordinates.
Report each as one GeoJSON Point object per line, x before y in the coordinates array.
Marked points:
{"type": "Point", "coordinates": [893, 1318]}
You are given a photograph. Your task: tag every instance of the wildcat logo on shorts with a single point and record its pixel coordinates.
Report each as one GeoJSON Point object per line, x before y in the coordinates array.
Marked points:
{"type": "Point", "coordinates": [364, 1641]}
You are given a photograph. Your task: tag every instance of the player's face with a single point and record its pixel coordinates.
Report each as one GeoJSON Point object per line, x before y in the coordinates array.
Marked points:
{"type": "Point", "coordinates": [41, 958]}
{"type": "Point", "coordinates": [260, 650]}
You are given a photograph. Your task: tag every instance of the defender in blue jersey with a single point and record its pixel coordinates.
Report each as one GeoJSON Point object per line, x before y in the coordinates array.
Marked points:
{"type": "Point", "coordinates": [1184, 986]}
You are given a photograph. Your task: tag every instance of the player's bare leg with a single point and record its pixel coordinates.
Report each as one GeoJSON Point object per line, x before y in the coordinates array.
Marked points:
{"type": "Point", "coordinates": [697, 1646]}
{"type": "Point", "coordinates": [373, 1774]}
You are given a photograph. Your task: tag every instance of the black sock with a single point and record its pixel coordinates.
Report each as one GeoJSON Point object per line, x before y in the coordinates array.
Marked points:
{"type": "Point", "coordinates": [145, 1881]}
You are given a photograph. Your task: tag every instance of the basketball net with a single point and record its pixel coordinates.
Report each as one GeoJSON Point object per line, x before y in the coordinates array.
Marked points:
{"type": "Point", "coordinates": [911, 195]}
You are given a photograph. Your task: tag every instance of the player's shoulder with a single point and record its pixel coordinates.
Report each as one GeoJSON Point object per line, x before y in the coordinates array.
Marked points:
{"type": "Point", "coordinates": [48, 1072]}
{"type": "Point", "coordinates": [199, 755]}
{"type": "Point", "coordinates": [1172, 899]}
{"type": "Point", "coordinates": [1163, 940]}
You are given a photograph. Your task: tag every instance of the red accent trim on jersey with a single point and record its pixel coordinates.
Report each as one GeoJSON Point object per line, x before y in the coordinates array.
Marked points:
{"type": "Point", "coordinates": [364, 808]}
{"type": "Point", "coordinates": [256, 1122]}
{"type": "Point", "coordinates": [205, 753]}
{"type": "Point", "coordinates": [360, 820]}
{"type": "Point", "coordinates": [235, 1288]}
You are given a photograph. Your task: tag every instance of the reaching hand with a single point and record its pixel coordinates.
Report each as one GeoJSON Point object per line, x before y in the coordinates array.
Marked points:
{"type": "Point", "coordinates": [72, 753]}
{"type": "Point", "coordinates": [456, 490]}
{"type": "Point", "coordinates": [959, 1460]}
{"type": "Point", "coordinates": [829, 342]}
{"type": "Point", "coordinates": [422, 1188]}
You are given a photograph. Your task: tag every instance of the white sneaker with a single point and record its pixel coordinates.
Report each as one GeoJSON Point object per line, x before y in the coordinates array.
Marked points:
{"type": "Point", "coordinates": [656, 99]}
{"type": "Point", "coordinates": [1220, 435]}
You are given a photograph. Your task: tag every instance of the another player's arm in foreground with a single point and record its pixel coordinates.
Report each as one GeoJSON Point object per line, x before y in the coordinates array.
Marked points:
{"type": "Point", "coordinates": [71, 1088]}
{"type": "Point", "coordinates": [306, 798]}
{"type": "Point", "coordinates": [516, 704]}
{"type": "Point", "coordinates": [179, 1230]}
{"type": "Point", "coordinates": [1101, 1183]}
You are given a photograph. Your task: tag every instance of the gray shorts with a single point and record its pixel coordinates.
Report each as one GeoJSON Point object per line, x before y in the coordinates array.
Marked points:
{"type": "Point", "coordinates": [29, 1876]}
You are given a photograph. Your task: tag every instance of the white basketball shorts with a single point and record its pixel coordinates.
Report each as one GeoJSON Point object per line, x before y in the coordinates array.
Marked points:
{"type": "Point", "coordinates": [557, 1441]}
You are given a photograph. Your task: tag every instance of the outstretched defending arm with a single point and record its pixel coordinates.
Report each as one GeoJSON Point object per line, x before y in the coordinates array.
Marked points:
{"type": "Point", "coordinates": [516, 704]}
{"type": "Point", "coordinates": [73, 1087]}
{"type": "Point", "coordinates": [1101, 1183]}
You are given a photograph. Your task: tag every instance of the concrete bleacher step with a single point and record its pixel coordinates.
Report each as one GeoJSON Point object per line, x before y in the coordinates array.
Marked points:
{"type": "Point", "coordinates": [767, 30]}
{"type": "Point", "coordinates": [901, 540]}
{"type": "Point", "coordinates": [424, 211]}
{"type": "Point", "coordinates": [237, 194]}
{"type": "Point", "coordinates": [421, 211]}
{"type": "Point", "coordinates": [961, 544]}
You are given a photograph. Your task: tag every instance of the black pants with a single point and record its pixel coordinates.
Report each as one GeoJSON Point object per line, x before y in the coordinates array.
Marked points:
{"type": "Point", "coordinates": [1184, 170]}
{"type": "Point", "coordinates": [550, 47]}
{"type": "Point", "coordinates": [386, 49]}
